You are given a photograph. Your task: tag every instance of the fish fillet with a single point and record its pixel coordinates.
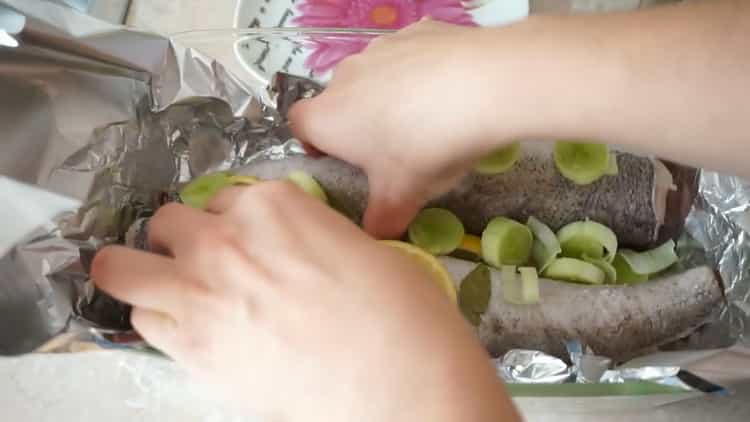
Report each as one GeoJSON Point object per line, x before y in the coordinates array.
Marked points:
{"type": "Point", "coordinates": [620, 322]}
{"type": "Point", "coordinates": [634, 204]}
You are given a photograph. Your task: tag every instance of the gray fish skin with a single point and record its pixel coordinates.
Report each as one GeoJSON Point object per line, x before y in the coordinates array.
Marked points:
{"type": "Point", "coordinates": [345, 185]}
{"type": "Point", "coordinates": [625, 203]}
{"type": "Point", "coordinates": [619, 322]}
{"type": "Point", "coordinates": [534, 187]}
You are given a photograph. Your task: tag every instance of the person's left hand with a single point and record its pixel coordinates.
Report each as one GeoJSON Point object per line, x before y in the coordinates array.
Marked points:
{"type": "Point", "coordinates": [298, 314]}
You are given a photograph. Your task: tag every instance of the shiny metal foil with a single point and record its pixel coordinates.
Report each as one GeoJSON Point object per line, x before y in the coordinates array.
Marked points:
{"type": "Point", "coordinates": [532, 367]}
{"type": "Point", "coordinates": [521, 366]}
{"type": "Point", "coordinates": [586, 366]}
{"type": "Point", "coordinates": [717, 231]}
{"type": "Point", "coordinates": [119, 119]}
{"type": "Point", "coordinates": [666, 375]}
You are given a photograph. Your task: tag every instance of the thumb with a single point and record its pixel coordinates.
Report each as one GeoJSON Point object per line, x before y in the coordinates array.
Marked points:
{"type": "Point", "coordinates": [318, 123]}
{"type": "Point", "coordinates": [303, 124]}
{"type": "Point", "coordinates": [388, 213]}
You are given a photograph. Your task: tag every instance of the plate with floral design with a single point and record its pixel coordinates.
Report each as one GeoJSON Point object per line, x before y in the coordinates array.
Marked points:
{"type": "Point", "coordinates": [317, 55]}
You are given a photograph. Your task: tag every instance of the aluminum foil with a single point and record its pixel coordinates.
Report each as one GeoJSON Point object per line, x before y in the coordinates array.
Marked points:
{"type": "Point", "coordinates": [87, 115]}
{"type": "Point", "coordinates": [521, 366]}
{"type": "Point", "coordinates": [665, 374]}
{"type": "Point", "coordinates": [532, 367]}
{"type": "Point", "coordinates": [587, 367]}
{"type": "Point", "coordinates": [120, 128]}
{"type": "Point", "coordinates": [717, 231]}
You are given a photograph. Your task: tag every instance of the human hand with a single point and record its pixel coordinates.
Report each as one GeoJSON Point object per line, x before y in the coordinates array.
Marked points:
{"type": "Point", "coordinates": [411, 111]}
{"type": "Point", "coordinates": [290, 309]}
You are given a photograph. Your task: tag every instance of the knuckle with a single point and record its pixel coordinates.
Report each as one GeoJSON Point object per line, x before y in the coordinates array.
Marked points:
{"type": "Point", "coordinates": [278, 189]}
{"type": "Point", "coordinates": [209, 240]}
{"type": "Point", "coordinates": [222, 256]}
{"type": "Point", "coordinates": [227, 197]}
{"type": "Point", "coordinates": [165, 213]}
{"type": "Point", "coordinates": [203, 236]}
{"type": "Point", "coordinates": [196, 341]}
{"type": "Point", "coordinates": [269, 198]}
{"type": "Point", "coordinates": [227, 307]}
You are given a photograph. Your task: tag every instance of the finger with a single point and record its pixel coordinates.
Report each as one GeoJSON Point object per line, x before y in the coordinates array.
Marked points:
{"type": "Point", "coordinates": [157, 328]}
{"type": "Point", "coordinates": [302, 120]}
{"type": "Point", "coordinates": [388, 215]}
{"type": "Point", "coordinates": [378, 41]}
{"type": "Point", "coordinates": [249, 198]}
{"type": "Point", "coordinates": [316, 121]}
{"type": "Point", "coordinates": [226, 199]}
{"type": "Point", "coordinates": [141, 279]}
{"type": "Point", "coordinates": [298, 115]}
{"type": "Point", "coordinates": [172, 226]}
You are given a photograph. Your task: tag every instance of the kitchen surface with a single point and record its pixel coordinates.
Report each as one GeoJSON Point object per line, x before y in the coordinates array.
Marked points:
{"type": "Point", "coordinates": [122, 386]}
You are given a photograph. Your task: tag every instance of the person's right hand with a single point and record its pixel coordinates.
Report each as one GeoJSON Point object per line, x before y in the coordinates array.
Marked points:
{"type": "Point", "coordinates": [409, 110]}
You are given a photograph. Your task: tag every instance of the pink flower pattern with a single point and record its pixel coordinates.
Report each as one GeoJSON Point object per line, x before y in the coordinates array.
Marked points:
{"type": "Point", "coordinates": [379, 14]}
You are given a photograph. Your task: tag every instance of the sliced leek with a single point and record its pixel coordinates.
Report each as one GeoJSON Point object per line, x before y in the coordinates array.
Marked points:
{"type": "Point", "coordinates": [500, 160]}
{"type": "Point", "coordinates": [575, 270]}
{"type": "Point", "coordinates": [520, 289]}
{"type": "Point", "coordinates": [436, 230]}
{"type": "Point", "coordinates": [651, 261]}
{"type": "Point", "coordinates": [506, 242]}
{"type": "Point", "coordinates": [546, 247]}
{"type": "Point", "coordinates": [588, 238]}
{"type": "Point", "coordinates": [582, 162]}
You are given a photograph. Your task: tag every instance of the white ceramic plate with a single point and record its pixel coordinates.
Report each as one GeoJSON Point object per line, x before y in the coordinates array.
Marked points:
{"type": "Point", "coordinates": [263, 56]}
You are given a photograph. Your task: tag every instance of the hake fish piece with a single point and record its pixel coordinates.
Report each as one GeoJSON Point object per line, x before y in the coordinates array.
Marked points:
{"type": "Point", "coordinates": [619, 322]}
{"type": "Point", "coordinates": [635, 204]}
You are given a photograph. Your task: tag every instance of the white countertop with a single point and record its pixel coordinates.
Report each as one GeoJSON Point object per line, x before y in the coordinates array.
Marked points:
{"type": "Point", "coordinates": [125, 387]}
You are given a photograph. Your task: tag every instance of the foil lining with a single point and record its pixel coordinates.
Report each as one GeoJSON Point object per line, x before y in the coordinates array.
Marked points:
{"type": "Point", "coordinates": [521, 366]}
{"type": "Point", "coordinates": [664, 375]}
{"type": "Point", "coordinates": [587, 367]}
{"type": "Point", "coordinates": [532, 367]}
{"type": "Point", "coordinates": [119, 131]}
{"type": "Point", "coordinates": [717, 231]}
{"type": "Point", "coordinates": [127, 128]}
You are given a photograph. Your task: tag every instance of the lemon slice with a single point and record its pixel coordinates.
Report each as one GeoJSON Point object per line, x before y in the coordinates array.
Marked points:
{"type": "Point", "coordinates": [308, 184]}
{"type": "Point", "coordinates": [470, 249]}
{"type": "Point", "coordinates": [440, 274]}
{"type": "Point", "coordinates": [472, 244]}
{"type": "Point", "coordinates": [199, 192]}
